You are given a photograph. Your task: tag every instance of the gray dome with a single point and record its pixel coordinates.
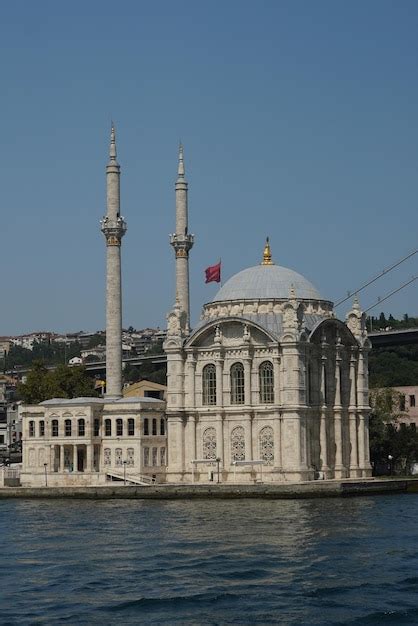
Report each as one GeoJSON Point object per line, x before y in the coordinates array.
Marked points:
{"type": "Point", "coordinates": [268, 282]}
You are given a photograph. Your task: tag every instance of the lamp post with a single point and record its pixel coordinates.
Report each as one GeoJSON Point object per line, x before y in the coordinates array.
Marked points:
{"type": "Point", "coordinates": [218, 460]}
{"type": "Point", "coordinates": [124, 472]}
{"type": "Point", "coordinates": [390, 459]}
{"type": "Point", "coordinates": [46, 474]}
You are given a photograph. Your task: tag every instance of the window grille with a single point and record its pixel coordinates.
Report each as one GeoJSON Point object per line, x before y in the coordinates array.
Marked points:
{"type": "Point", "coordinates": [108, 428]}
{"type": "Point", "coordinates": [118, 457]}
{"type": "Point", "coordinates": [266, 440]}
{"type": "Point", "coordinates": [238, 444]}
{"type": "Point", "coordinates": [67, 428]}
{"type": "Point", "coordinates": [119, 427]}
{"type": "Point", "coordinates": [237, 383]}
{"type": "Point", "coordinates": [162, 456]}
{"type": "Point", "coordinates": [81, 428]}
{"type": "Point", "coordinates": [130, 460]}
{"type": "Point", "coordinates": [209, 384]}
{"type": "Point", "coordinates": [266, 373]}
{"type": "Point", "coordinates": [107, 456]}
{"type": "Point", "coordinates": [131, 427]}
{"type": "Point", "coordinates": [209, 443]}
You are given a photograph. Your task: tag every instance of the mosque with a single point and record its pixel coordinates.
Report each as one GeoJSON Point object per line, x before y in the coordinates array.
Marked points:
{"type": "Point", "coordinates": [269, 386]}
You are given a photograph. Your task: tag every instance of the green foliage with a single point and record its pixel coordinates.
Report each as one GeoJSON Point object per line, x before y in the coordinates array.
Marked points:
{"type": "Point", "coordinates": [50, 353]}
{"type": "Point", "coordinates": [393, 366]}
{"type": "Point", "coordinates": [63, 382]}
{"type": "Point", "coordinates": [386, 436]}
{"type": "Point", "coordinates": [380, 323]}
{"type": "Point", "coordinates": [96, 340]}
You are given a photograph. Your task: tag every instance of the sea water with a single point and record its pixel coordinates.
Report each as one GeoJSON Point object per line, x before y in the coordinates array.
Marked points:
{"type": "Point", "coordinates": [290, 562]}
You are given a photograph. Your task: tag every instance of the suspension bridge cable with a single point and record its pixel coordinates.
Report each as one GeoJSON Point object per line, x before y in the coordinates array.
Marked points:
{"type": "Point", "coordinates": [392, 293]}
{"type": "Point", "coordinates": [373, 280]}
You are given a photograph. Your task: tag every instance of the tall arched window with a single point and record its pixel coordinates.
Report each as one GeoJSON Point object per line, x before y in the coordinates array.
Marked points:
{"type": "Point", "coordinates": [238, 444]}
{"type": "Point", "coordinates": [266, 441]}
{"type": "Point", "coordinates": [54, 425]}
{"type": "Point", "coordinates": [81, 427]}
{"type": "Point", "coordinates": [108, 428]}
{"type": "Point", "coordinates": [119, 427]}
{"type": "Point", "coordinates": [31, 428]}
{"type": "Point", "coordinates": [237, 384]}
{"type": "Point", "coordinates": [162, 426]}
{"type": "Point", "coordinates": [266, 376]}
{"type": "Point", "coordinates": [130, 457]}
{"type": "Point", "coordinates": [131, 427]}
{"type": "Point", "coordinates": [146, 426]}
{"type": "Point", "coordinates": [107, 456]}
{"type": "Point", "coordinates": [209, 384]}
{"type": "Point", "coordinates": [67, 425]}
{"type": "Point", "coordinates": [118, 457]}
{"type": "Point", "coordinates": [42, 428]}
{"type": "Point", "coordinates": [209, 443]}
{"type": "Point", "coordinates": [154, 426]}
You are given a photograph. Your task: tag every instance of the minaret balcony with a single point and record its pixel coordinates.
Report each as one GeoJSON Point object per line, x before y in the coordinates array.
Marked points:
{"type": "Point", "coordinates": [182, 243]}
{"type": "Point", "coordinates": [113, 229]}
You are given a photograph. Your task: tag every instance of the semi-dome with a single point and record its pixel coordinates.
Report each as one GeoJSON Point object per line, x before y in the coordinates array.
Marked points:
{"type": "Point", "coordinates": [267, 282]}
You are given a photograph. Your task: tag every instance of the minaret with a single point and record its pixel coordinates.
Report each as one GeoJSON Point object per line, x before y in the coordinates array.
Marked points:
{"type": "Point", "coordinates": [182, 242]}
{"type": "Point", "coordinates": [113, 227]}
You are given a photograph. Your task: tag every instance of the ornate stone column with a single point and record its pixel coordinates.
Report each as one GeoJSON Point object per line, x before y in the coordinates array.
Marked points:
{"type": "Point", "coordinates": [190, 381]}
{"type": "Point", "coordinates": [61, 466]}
{"type": "Point", "coordinates": [75, 448]}
{"type": "Point", "coordinates": [89, 457]}
{"type": "Point", "coordinates": [338, 424]}
{"type": "Point", "coordinates": [352, 411]}
{"type": "Point", "coordinates": [323, 418]}
{"type": "Point", "coordinates": [219, 365]}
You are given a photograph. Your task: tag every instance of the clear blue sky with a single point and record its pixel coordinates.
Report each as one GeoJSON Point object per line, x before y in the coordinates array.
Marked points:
{"type": "Point", "coordinates": [299, 121]}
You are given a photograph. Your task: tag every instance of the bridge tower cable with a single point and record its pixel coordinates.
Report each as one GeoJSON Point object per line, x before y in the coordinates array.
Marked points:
{"type": "Point", "coordinates": [373, 280]}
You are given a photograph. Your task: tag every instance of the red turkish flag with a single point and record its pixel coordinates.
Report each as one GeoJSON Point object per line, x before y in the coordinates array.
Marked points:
{"type": "Point", "coordinates": [213, 273]}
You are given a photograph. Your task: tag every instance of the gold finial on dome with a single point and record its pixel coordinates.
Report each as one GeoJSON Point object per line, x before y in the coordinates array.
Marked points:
{"type": "Point", "coordinates": [267, 260]}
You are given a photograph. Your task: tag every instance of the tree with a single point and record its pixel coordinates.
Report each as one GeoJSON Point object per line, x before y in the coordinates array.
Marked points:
{"type": "Point", "coordinates": [63, 382]}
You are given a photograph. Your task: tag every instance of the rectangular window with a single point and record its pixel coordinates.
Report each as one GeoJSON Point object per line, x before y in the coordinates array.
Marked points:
{"type": "Point", "coordinates": [119, 428]}
{"type": "Point", "coordinates": [146, 426]}
{"type": "Point", "coordinates": [154, 457]}
{"type": "Point", "coordinates": [42, 428]}
{"type": "Point", "coordinates": [154, 426]}
{"type": "Point", "coordinates": [162, 456]}
{"type": "Point", "coordinates": [146, 457]}
{"type": "Point", "coordinates": [131, 427]}
{"type": "Point", "coordinates": [81, 428]}
{"type": "Point", "coordinates": [96, 427]}
{"type": "Point", "coordinates": [411, 401]}
{"type": "Point", "coordinates": [68, 428]}
{"type": "Point", "coordinates": [108, 428]}
{"type": "Point", "coordinates": [130, 457]}
{"type": "Point", "coordinates": [31, 429]}
{"type": "Point", "coordinates": [107, 456]}
{"type": "Point", "coordinates": [118, 457]}
{"type": "Point", "coordinates": [55, 428]}
{"type": "Point", "coordinates": [162, 427]}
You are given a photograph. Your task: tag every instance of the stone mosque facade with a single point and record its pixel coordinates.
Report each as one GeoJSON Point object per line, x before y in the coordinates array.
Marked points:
{"type": "Point", "coordinates": [268, 386]}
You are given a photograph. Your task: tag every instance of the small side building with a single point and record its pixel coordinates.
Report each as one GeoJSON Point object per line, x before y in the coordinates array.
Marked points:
{"type": "Point", "coordinates": [89, 441]}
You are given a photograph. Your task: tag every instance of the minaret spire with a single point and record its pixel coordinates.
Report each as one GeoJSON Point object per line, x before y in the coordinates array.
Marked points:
{"type": "Point", "coordinates": [182, 243]}
{"type": "Point", "coordinates": [113, 227]}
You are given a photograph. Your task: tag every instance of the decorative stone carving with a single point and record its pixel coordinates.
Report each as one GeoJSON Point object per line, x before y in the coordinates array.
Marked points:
{"type": "Point", "coordinates": [266, 440]}
{"type": "Point", "coordinates": [209, 443]}
{"type": "Point", "coordinates": [238, 444]}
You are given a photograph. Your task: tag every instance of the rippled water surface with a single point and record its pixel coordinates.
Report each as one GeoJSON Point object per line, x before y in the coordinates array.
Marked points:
{"type": "Point", "coordinates": [346, 561]}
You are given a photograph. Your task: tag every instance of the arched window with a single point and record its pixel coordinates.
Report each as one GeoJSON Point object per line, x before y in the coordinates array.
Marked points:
{"type": "Point", "coordinates": [31, 428]}
{"type": "Point", "coordinates": [237, 383]}
{"type": "Point", "coordinates": [118, 457]}
{"type": "Point", "coordinates": [266, 376]}
{"type": "Point", "coordinates": [209, 384]}
{"type": "Point", "coordinates": [42, 428]}
{"type": "Point", "coordinates": [119, 427]}
{"type": "Point", "coordinates": [81, 427]}
{"type": "Point", "coordinates": [238, 444]}
{"type": "Point", "coordinates": [67, 425]}
{"type": "Point", "coordinates": [130, 457]}
{"type": "Point", "coordinates": [108, 428]}
{"type": "Point", "coordinates": [96, 427]}
{"type": "Point", "coordinates": [209, 443]}
{"type": "Point", "coordinates": [131, 427]}
{"type": "Point", "coordinates": [146, 426]}
{"type": "Point", "coordinates": [266, 441]}
{"type": "Point", "coordinates": [162, 426]}
{"type": "Point", "coordinates": [107, 456]}
{"type": "Point", "coordinates": [154, 426]}
{"type": "Point", "coordinates": [54, 426]}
